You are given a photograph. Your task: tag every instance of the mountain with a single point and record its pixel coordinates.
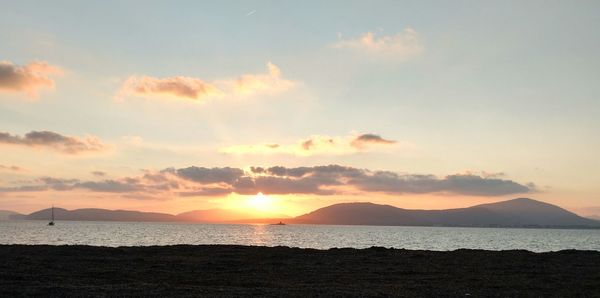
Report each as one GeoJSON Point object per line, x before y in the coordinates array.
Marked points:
{"type": "Point", "coordinates": [520, 212]}
{"type": "Point", "coordinates": [512, 213]}
{"type": "Point", "coordinates": [220, 215]}
{"type": "Point", "coordinates": [594, 217]}
{"type": "Point", "coordinates": [9, 215]}
{"type": "Point", "coordinates": [527, 211]}
{"type": "Point", "coordinates": [92, 214]}
{"type": "Point", "coordinates": [100, 215]}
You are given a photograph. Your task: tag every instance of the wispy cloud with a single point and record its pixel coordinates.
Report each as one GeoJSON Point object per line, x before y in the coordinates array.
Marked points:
{"type": "Point", "coordinates": [27, 79]}
{"type": "Point", "coordinates": [402, 46]}
{"type": "Point", "coordinates": [315, 145]}
{"type": "Point", "coordinates": [12, 168]}
{"type": "Point", "coordinates": [190, 88]}
{"type": "Point", "coordinates": [367, 139]}
{"type": "Point", "coordinates": [182, 87]}
{"type": "Point", "coordinates": [270, 82]}
{"type": "Point", "coordinates": [98, 173]}
{"type": "Point", "coordinates": [52, 140]}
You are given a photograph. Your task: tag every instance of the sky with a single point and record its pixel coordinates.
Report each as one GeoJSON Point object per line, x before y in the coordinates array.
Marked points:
{"type": "Point", "coordinates": [174, 106]}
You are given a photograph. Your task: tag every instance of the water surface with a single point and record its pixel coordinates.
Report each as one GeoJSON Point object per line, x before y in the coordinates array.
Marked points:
{"type": "Point", "coordinates": [305, 236]}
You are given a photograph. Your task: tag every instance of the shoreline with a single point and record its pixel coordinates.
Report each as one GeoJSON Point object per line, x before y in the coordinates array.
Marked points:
{"type": "Point", "coordinates": [528, 227]}
{"type": "Point", "coordinates": [167, 246]}
{"type": "Point", "coordinates": [232, 270]}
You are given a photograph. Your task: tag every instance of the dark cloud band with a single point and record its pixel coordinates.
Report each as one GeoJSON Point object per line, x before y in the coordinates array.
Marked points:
{"type": "Point", "coordinates": [53, 140]}
{"type": "Point", "coordinates": [316, 180]}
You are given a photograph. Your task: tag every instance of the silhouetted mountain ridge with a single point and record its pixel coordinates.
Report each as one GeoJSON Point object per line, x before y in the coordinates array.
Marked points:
{"type": "Point", "coordinates": [221, 215]}
{"type": "Point", "coordinates": [520, 212]}
{"type": "Point", "coordinates": [95, 214]}
{"type": "Point", "coordinates": [593, 217]}
{"type": "Point", "coordinates": [9, 215]}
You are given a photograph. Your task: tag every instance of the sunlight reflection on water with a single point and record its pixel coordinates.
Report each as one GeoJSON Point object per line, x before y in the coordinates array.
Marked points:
{"type": "Point", "coordinates": [305, 236]}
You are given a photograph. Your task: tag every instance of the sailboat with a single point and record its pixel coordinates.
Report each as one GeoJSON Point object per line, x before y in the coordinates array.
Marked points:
{"type": "Point", "coordinates": [51, 223]}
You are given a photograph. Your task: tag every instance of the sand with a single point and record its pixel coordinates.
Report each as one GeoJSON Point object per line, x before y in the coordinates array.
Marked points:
{"type": "Point", "coordinates": [218, 270]}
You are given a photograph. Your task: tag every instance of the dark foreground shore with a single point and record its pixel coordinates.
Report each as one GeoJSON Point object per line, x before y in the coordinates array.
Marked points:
{"type": "Point", "coordinates": [280, 271]}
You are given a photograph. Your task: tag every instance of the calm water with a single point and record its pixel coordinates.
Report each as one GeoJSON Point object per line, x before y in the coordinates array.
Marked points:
{"type": "Point", "coordinates": [312, 236]}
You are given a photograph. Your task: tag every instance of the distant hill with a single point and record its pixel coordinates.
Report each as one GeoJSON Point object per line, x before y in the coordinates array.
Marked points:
{"type": "Point", "coordinates": [520, 212]}
{"type": "Point", "coordinates": [594, 217]}
{"type": "Point", "coordinates": [9, 215]}
{"type": "Point", "coordinates": [221, 215]}
{"type": "Point", "coordinates": [94, 214]}
{"type": "Point", "coordinates": [512, 213]}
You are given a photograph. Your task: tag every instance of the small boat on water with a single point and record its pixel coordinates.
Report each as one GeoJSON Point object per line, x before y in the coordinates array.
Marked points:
{"type": "Point", "coordinates": [278, 224]}
{"type": "Point", "coordinates": [51, 223]}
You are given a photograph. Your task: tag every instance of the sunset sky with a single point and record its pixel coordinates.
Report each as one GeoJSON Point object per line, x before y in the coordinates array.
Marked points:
{"type": "Point", "coordinates": [175, 106]}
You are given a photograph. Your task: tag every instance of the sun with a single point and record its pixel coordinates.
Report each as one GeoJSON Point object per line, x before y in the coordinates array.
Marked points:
{"type": "Point", "coordinates": [261, 202]}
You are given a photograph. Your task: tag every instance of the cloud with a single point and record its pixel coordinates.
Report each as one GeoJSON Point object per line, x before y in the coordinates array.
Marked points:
{"type": "Point", "coordinates": [329, 170]}
{"type": "Point", "coordinates": [315, 180]}
{"type": "Point", "coordinates": [12, 168]}
{"type": "Point", "coordinates": [183, 87]}
{"type": "Point", "coordinates": [206, 192]}
{"type": "Point", "coordinates": [281, 185]}
{"type": "Point", "coordinates": [111, 186]}
{"type": "Point", "coordinates": [27, 79]}
{"type": "Point", "coordinates": [196, 89]}
{"type": "Point", "coordinates": [333, 179]}
{"type": "Point", "coordinates": [58, 183]}
{"type": "Point", "coordinates": [287, 185]}
{"type": "Point", "coordinates": [210, 175]}
{"type": "Point", "coordinates": [468, 185]}
{"type": "Point", "coordinates": [145, 186]}
{"type": "Point", "coordinates": [482, 186]}
{"type": "Point", "coordinates": [315, 145]}
{"type": "Point", "coordinates": [401, 46]}
{"type": "Point", "coordinates": [271, 82]}
{"type": "Point", "coordinates": [55, 141]}
{"type": "Point", "coordinates": [23, 188]}
{"type": "Point", "coordinates": [43, 184]}
{"type": "Point", "coordinates": [364, 140]}
{"type": "Point", "coordinates": [98, 173]}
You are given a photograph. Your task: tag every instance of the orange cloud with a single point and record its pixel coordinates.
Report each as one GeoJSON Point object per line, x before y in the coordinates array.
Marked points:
{"type": "Point", "coordinates": [184, 87]}
{"type": "Point", "coordinates": [197, 89]}
{"type": "Point", "coordinates": [315, 145]}
{"type": "Point", "coordinates": [271, 82]}
{"type": "Point", "coordinates": [401, 46]}
{"type": "Point", "coordinates": [55, 141]}
{"type": "Point", "coordinates": [27, 79]}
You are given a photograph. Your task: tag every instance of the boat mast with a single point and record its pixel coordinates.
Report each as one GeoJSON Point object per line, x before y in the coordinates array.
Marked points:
{"type": "Point", "coordinates": [52, 213]}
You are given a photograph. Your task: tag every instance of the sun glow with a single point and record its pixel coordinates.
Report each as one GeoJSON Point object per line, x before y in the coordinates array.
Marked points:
{"type": "Point", "coordinates": [264, 205]}
{"type": "Point", "coordinates": [261, 202]}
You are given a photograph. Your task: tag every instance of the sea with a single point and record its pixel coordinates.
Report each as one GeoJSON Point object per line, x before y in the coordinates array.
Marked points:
{"type": "Point", "coordinates": [303, 236]}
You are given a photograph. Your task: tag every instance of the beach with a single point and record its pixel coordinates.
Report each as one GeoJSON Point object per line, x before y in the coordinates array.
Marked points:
{"type": "Point", "coordinates": [226, 270]}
